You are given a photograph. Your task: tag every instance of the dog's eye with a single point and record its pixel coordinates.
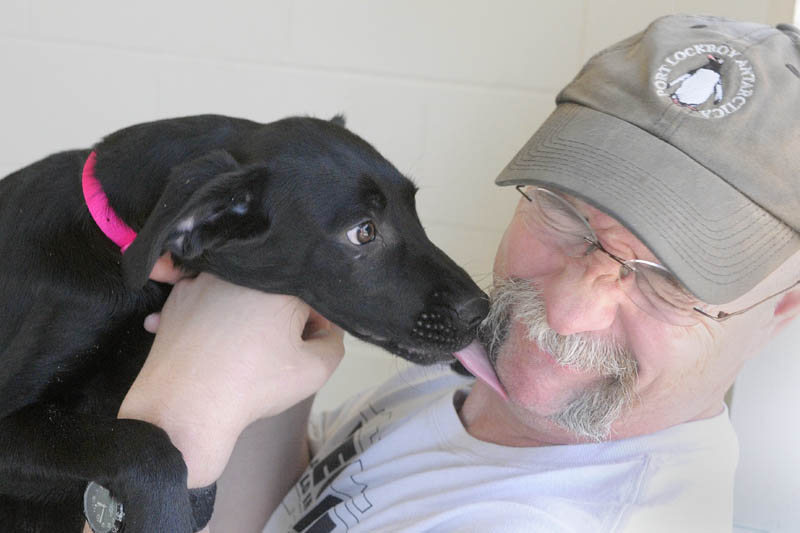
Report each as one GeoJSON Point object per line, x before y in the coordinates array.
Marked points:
{"type": "Point", "coordinates": [362, 234]}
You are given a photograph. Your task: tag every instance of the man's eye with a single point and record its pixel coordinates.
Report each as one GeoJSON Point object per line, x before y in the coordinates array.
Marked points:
{"type": "Point", "coordinates": [362, 234]}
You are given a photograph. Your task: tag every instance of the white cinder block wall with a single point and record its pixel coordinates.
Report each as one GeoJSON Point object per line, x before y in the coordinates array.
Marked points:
{"type": "Point", "coordinates": [447, 90]}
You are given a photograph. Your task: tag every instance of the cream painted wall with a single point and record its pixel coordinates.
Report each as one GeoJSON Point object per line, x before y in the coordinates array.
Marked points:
{"type": "Point", "coordinates": [447, 90]}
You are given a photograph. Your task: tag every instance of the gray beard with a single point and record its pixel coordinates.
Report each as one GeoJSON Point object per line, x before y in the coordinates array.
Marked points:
{"type": "Point", "coordinates": [590, 414]}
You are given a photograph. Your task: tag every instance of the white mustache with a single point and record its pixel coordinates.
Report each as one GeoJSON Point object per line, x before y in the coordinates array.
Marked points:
{"type": "Point", "coordinates": [517, 299]}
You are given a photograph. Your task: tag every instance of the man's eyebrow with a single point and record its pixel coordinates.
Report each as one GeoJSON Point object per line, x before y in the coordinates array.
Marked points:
{"type": "Point", "coordinates": [582, 205]}
{"type": "Point", "coordinates": [639, 248]}
{"type": "Point", "coordinates": [577, 203]}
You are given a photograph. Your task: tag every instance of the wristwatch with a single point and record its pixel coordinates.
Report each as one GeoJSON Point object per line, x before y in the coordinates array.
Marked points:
{"type": "Point", "coordinates": [103, 512]}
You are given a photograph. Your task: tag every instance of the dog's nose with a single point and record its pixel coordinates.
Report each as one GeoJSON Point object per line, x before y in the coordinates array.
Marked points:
{"type": "Point", "coordinates": [448, 322]}
{"type": "Point", "coordinates": [473, 311]}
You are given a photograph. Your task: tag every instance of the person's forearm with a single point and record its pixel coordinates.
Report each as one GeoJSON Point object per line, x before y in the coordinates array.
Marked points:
{"type": "Point", "coordinates": [205, 443]}
{"type": "Point", "coordinates": [269, 457]}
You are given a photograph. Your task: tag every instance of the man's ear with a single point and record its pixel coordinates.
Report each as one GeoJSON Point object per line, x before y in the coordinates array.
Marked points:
{"type": "Point", "coordinates": [786, 311]}
{"type": "Point", "coordinates": [206, 202]}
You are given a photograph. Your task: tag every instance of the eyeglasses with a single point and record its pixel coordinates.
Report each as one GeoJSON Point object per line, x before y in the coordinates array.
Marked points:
{"type": "Point", "coordinates": [653, 288]}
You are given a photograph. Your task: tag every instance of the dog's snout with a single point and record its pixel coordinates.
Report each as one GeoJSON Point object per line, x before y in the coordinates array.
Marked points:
{"type": "Point", "coordinates": [473, 311]}
{"type": "Point", "coordinates": [434, 327]}
{"type": "Point", "coordinates": [447, 322]}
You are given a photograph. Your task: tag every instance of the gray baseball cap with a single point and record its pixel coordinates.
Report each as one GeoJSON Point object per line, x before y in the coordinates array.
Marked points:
{"type": "Point", "coordinates": [688, 133]}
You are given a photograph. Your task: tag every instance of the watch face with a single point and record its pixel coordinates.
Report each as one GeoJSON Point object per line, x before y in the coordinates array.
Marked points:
{"type": "Point", "coordinates": [103, 512]}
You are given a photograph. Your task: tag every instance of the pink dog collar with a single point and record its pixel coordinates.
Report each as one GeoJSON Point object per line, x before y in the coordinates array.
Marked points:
{"type": "Point", "coordinates": [101, 211]}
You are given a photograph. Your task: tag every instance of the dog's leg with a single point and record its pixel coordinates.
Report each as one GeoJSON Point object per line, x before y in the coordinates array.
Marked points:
{"type": "Point", "coordinates": [44, 450]}
{"type": "Point", "coordinates": [23, 517]}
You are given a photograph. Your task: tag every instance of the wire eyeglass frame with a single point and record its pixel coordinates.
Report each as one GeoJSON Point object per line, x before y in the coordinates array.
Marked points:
{"type": "Point", "coordinates": [629, 267]}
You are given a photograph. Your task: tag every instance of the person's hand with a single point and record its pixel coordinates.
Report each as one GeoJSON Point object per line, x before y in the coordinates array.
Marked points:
{"type": "Point", "coordinates": [275, 349]}
{"type": "Point", "coordinates": [223, 357]}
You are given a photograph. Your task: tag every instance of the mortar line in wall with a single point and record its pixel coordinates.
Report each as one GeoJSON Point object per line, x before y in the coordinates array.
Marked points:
{"type": "Point", "coordinates": [300, 68]}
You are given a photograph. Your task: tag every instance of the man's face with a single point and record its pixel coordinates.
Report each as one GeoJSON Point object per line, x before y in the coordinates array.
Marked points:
{"type": "Point", "coordinates": [576, 352]}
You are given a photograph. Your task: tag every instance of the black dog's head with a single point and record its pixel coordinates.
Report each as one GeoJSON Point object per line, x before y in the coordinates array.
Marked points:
{"type": "Point", "coordinates": [303, 206]}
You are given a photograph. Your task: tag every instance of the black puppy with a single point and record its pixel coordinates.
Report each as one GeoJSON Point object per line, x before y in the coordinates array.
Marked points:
{"type": "Point", "coordinates": [300, 206]}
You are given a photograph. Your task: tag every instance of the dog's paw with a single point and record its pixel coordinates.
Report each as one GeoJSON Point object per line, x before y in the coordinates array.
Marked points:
{"type": "Point", "coordinates": [151, 484]}
{"type": "Point", "coordinates": [155, 505]}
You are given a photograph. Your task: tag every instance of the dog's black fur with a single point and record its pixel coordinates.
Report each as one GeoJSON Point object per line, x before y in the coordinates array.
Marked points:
{"type": "Point", "coordinates": [267, 206]}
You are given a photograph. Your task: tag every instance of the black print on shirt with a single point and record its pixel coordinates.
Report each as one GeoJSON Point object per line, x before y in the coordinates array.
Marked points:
{"type": "Point", "coordinates": [318, 514]}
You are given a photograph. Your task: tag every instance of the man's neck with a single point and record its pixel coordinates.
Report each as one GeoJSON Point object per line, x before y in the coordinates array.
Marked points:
{"type": "Point", "coordinates": [488, 417]}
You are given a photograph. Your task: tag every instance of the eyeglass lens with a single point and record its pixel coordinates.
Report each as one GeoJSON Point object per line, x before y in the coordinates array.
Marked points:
{"type": "Point", "coordinates": [658, 293]}
{"type": "Point", "coordinates": [569, 231]}
{"type": "Point", "coordinates": [650, 286]}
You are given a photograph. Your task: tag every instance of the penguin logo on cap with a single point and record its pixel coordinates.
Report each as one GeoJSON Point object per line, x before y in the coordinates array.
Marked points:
{"type": "Point", "coordinates": [696, 86]}
{"type": "Point", "coordinates": [693, 78]}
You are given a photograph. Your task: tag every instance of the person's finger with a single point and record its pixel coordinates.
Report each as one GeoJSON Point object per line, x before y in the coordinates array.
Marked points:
{"type": "Point", "coordinates": [328, 346]}
{"type": "Point", "coordinates": [165, 270]}
{"type": "Point", "coordinates": [152, 321]}
{"type": "Point", "coordinates": [316, 325]}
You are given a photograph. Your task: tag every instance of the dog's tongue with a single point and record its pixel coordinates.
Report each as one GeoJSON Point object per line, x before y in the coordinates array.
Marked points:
{"type": "Point", "coordinates": [474, 359]}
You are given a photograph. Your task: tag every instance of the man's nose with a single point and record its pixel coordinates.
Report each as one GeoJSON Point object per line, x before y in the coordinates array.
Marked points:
{"type": "Point", "coordinates": [584, 296]}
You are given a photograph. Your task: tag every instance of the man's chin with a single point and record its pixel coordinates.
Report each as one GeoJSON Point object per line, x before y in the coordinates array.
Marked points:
{"type": "Point", "coordinates": [534, 380]}
{"type": "Point", "coordinates": [582, 404]}
{"type": "Point", "coordinates": [590, 415]}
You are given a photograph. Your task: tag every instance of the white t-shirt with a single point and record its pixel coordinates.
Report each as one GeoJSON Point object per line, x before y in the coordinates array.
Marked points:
{"type": "Point", "coordinates": [397, 458]}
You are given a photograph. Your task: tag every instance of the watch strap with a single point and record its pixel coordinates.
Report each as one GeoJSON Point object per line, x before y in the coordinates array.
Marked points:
{"type": "Point", "coordinates": [202, 501]}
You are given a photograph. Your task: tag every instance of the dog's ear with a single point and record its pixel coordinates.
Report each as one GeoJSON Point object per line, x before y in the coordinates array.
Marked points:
{"type": "Point", "coordinates": [339, 120]}
{"type": "Point", "coordinates": [206, 202]}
